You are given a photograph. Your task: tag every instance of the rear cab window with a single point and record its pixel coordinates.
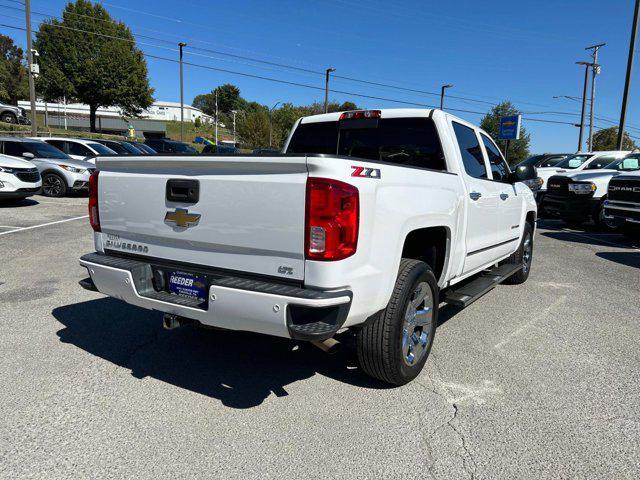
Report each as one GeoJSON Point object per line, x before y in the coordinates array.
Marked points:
{"type": "Point", "coordinates": [472, 157]}
{"type": "Point", "coordinates": [409, 141]}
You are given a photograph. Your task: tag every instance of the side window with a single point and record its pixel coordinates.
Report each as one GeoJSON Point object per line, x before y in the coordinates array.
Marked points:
{"type": "Point", "coordinates": [14, 149]}
{"type": "Point", "coordinates": [499, 167]}
{"type": "Point", "coordinates": [78, 149]}
{"type": "Point", "coordinates": [600, 162]}
{"type": "Point", "coordinates": [59, 144]}
{"type": "Point", "coordinates": [470, 150]}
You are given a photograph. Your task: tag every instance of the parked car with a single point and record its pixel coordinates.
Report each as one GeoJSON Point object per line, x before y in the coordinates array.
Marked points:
{"type": "Point", "coordinates": [145, 149]}
{"type": "Point", "coordinates": [165, 145]}
{"type": "Point", "coordinates": [580, 196]}
{"type": "Point", "coordinates": [622, 207]}
{"type": "Point", "coordinates": [266, 151]}
{"type": "Point", "coordinates": [13, 114]}
{"type": "Point", "coordinates": [368, 221]}
{"type": "Point", "coordinates": [78, 148]}
{"type": "Point", "coordinates": [60, 173]}
{"type": "Point", "coordinates": [18, 178]}
{"type": "Point", "coordinates": [220, 149]}
{"type": "Point", "coordinates": [545, 160]}
{"type": "Point", "coordinates": [120, 147]}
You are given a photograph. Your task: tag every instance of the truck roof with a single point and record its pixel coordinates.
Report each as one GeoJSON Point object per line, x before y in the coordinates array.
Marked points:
{"type": "Point", "coordinates": [384, 113]}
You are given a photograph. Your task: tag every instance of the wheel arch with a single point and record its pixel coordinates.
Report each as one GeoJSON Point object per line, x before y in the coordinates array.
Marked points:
{"type": "Point", "coordinates": [431, 245]}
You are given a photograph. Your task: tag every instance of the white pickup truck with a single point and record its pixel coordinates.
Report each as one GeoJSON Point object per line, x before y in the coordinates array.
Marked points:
{"type": "Point", "coordinates": [367, 221]}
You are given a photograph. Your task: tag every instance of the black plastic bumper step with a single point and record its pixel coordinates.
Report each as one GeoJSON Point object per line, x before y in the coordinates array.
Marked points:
{"type": "Point", "coordinates": [87, 284]}
{"type": "Point", "coordinates": [464, 295]}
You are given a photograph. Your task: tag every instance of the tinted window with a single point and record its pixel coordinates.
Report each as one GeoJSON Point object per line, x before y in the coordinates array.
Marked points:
{"type": "Point", "coordinates": [532, 160]}
{"type": "Point", "coordinates": [15, 149]}
{"type": "Point", "coordinates": [78, 149]}
{"type": "Point", "coordinates": [182, 147]}
{"type": "Point", "coordinates": [130, 148]}
{"type": "Point", "coordinates": [115, 147]}
{"type": "Point", "coordinates": [320, 137]}
{"type": "Point", "coordinates": [405, 141]}
{"type": "Point", "coordinates": [551, 161]}
{"type": "Point", "coordinates": [101, 149]}
{"type": "Point", "coordinates": [600, 162]}
{"type": "Point", "coordinates": [499, 167]}
{"type": "Point", "coordinates": [470, 150]}
{"type": "Point", "coordinates": [44, 150]}
{"type": "Point", "coordinates": [59, 144]}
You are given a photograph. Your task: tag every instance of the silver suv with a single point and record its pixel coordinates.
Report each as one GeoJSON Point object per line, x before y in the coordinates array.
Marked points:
{"type": "Point", "coordinates": [60, 173]}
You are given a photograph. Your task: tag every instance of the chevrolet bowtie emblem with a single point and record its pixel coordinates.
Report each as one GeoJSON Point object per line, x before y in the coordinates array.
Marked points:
{"type": "Point", "coordinates": [182, 218]}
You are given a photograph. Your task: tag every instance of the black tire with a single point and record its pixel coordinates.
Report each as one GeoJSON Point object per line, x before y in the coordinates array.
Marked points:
{"type": "Point", "coordinates": [524, 256]}
{"type": "Point", "coordinates": [381, 342]}
{"type": "Point", "coordinates": [601, 222]}
{"type": "Point", "coordinates": [8, 117]}
{"type": "Point", "coordinates": [53, 185]}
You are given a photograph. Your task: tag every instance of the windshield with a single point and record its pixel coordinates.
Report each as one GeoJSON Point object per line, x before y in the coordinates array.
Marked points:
{"type": "Point", "coordinates": [145, 148]}
{"type": "Point", "coordinates": [405, 141]}
{"type": "Point", "coordinates": [574, 161]}
{"type": "Point", "coordinates": [627, 164]}
{"type": "Point", "coordinates": [44, 150]}
{"type": "Point", "coordinates": [532, 160]}
{"type": "Point", "coordinates": [130, 148]}
{"type": "Point", "coordinates": [101, 149]}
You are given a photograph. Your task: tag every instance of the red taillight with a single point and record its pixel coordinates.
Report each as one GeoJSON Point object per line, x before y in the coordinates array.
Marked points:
{"type": "Point", "coordinates": [94, 215]}
{"type": "Point", "coordinates": [332, 217]}
{"type": "Point", "coordinates": [359, 114]}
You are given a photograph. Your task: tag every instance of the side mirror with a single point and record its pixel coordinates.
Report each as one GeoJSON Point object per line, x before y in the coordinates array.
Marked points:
{"type": "Point", "coordinates": [28, 155]}
{"type": "Point", "coordinates": [522, 173]}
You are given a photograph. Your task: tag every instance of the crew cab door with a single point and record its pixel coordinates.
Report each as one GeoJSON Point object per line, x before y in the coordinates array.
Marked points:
{"type": "Point", "coordinates": [481, 200]}
{"type": "Point", "coordinates": [509, 203]}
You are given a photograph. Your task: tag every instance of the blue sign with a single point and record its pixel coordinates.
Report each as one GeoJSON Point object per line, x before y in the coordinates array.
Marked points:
{"type": "Point", "coordinates": [510, 127]}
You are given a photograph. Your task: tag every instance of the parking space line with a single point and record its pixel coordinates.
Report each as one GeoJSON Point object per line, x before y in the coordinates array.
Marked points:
{"type": "Point", "coordinates": [22, 229]}
{"type": "Point", "coordinates": [8, 226]}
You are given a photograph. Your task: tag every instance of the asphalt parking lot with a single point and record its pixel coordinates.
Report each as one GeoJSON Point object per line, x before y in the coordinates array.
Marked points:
{"type": "Point", "coordinates": [536, 381]}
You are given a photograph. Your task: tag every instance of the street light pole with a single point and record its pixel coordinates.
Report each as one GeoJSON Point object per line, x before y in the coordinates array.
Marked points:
{"type": "Point", "coordinates": [181, 45]}
{"type": "Point", "coordinates": [326, 89]}
{"type": "Point", "coordinates": [32, 84]}
{"type": "Point", "coordinates": [627, 83]}
{"type": "Point", "coordinates": [594, 72]}
{"type": "Point", "coordinates": [216, 117]}
{"type": "Point", "coordinates": [444, 87]}
{"type": "Point", "coordinates": [584, 101]}
{"type": "Point", "coordinates": [271, 122]}
{"type": "Point", "coordinates": [234, 125]}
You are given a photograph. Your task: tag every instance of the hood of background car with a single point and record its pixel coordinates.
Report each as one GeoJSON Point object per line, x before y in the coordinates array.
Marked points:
{"type": "Point", "coordinates": [590, 175]}
{"type": "Point", "coordinates": [12, 162]}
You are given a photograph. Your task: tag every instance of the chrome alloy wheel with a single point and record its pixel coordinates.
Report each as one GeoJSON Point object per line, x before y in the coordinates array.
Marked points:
{"type": "Point", "coordinates": [416, 329]}
{"type": "Point", "coordinates": [527, 252]}
{"type": "Point", "coordinates": [52, 185]}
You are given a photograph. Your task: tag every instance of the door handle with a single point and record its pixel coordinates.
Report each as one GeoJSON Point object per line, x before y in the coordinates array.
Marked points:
{"type": "Point", "coordinates": [475, 195]}
{"type": "Point", "coordinates": [504, 196]}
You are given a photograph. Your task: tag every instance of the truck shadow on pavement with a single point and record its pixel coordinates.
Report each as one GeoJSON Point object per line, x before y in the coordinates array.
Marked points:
{"type": "Point", "coordinates": [630, 259]}
{"type": "Point", "coordinates": [240, 369]}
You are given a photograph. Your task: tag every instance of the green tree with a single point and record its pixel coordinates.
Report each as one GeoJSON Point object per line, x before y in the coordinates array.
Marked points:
{"type": "Point", "coordinates": [253, 127]}
{"type": "Point", "coordinates": [228, 99]}
{"type": "Point", "coordinates": [14, 80]}
{"type": "Point", "coordinates": [607, 139]}
{"type": "Point", "coordinates": [101, 71]}
{"type": "Point", "coordinates": [518, 149]}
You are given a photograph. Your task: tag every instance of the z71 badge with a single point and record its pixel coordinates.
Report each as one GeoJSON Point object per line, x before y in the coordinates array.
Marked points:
{"type": "Point", "coordinates": [365, 172]}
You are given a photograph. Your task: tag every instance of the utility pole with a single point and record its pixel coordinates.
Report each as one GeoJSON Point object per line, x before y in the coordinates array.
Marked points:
{"type": "Point", "coordinates": [234, 125]}
{"type": "Point", "coordinates": [444, 87]}
{"type": "Point", "coordinates": [271, 121]}
{"type": "Point", "coordinates": [326, 89]}
{"type": "Point", "coordinates": [627, 83]}
{"type": "Point", "coordinates": [181, 45]}
{"type": "Point", "coordinates": [584, 101]}
{"type": "Point", "coordinates": [216, 117]}
{"type": "Point", "coordinates": [594, 72]}
{"type": "Point", "coordinates": [32, 84]}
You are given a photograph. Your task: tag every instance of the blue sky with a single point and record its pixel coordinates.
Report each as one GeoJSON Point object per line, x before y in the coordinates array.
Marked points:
{"type": "Point", "coordinates": [493, 50]}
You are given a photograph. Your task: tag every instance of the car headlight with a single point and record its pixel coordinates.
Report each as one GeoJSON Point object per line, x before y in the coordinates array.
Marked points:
{"type": "Point", "coordinates": [582, 188]}
{"type": "Point", "coordinates": [534, 184]}
{"type": "Point", "coordinates": [71, 169]}
{"type": "Point", "coordinates": [6, 170]}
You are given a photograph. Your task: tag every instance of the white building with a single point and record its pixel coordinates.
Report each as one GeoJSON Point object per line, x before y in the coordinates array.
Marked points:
{"type": "Point", "coordinates": [157, 111]}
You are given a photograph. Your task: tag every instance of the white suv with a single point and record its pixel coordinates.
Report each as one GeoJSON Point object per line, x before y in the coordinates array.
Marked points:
{"type": "Point", "coordinates": [18, 178]}
{"type": "Point", "coordinates": [78, 148]}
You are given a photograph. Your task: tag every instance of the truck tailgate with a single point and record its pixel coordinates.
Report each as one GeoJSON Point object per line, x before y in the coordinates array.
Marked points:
{"type": "Point", "coordinates": [252, 211]}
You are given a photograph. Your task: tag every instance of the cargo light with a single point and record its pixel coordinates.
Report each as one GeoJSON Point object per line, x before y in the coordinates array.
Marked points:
{"type": "Point", "coordinates": [360, 114]}
{"type": "Point", "coordinates": [94, 215]}
{"type": "Point", "coordinates": [331, 220]}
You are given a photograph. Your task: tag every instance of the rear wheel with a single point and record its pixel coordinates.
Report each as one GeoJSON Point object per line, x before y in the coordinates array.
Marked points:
{"type": "Point", "coordinates": [53, 185]}
{"type": "Point", "coordinates": [523, 256]}
{"type": "Point", "coordinates": [8, 117]}
{"type": "Point", "coordinates": [393, 346]}
{"type": "Point", "coordinates": [601, 221]}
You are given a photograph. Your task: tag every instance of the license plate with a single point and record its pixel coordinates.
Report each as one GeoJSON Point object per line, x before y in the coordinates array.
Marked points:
{"type": "Point", "coordinates": [188, 285]}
